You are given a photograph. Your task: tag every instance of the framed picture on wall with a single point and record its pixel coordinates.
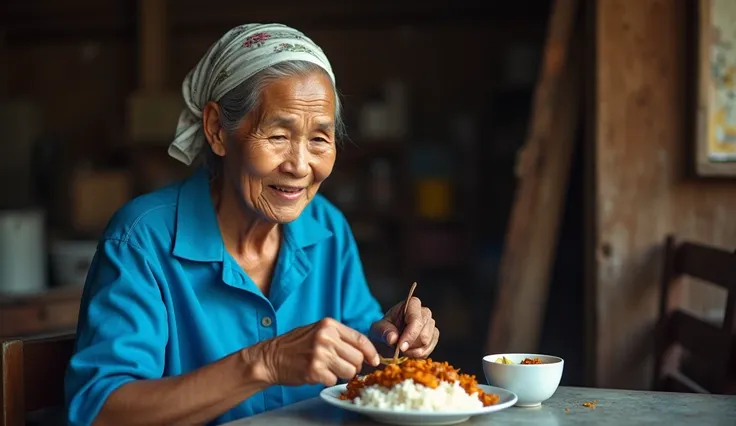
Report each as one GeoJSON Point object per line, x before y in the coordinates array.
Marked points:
{"type": "Point", "coordinates": [716, 89]}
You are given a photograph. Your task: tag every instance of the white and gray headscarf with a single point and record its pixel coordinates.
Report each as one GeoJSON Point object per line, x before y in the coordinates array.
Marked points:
{"type": "Point", "coordinates": [238, 55]}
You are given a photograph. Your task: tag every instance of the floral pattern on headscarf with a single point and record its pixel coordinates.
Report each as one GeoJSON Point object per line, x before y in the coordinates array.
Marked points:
{"type": "Point", "coordinates": [237, 55]}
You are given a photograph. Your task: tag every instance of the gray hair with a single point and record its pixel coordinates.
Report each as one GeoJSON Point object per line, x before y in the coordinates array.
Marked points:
{"type": "Point", "coordinates": [244, 98]}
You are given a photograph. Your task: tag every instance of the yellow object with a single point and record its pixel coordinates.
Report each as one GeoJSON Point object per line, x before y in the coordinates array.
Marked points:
{"type": "Point", "coordinates": [721, 134]}
{"type": "Point", "coordinates": [503, 360]}
{"type": "Point", "coordinates": [433, 198]}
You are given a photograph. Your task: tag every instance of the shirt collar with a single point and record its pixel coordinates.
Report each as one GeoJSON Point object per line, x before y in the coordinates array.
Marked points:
{"type": "Point", "coordinates": [197, 235]}
{"type": "Point", "coordinates": [306, 230]}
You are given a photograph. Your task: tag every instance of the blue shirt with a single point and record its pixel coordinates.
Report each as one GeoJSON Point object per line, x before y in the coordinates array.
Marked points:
{"type": "Point", "coordinates": [163, 297]}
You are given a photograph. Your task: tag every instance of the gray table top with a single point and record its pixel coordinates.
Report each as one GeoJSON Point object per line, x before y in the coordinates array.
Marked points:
{"type": "Point", "coordinates": [614, 407]}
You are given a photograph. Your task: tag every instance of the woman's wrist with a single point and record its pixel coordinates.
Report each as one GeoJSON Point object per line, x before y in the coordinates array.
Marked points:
{"type": "Point", "coordinates": [255, 366]}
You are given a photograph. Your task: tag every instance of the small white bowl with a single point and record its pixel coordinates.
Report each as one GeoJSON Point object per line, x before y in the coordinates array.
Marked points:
{"type": "Point", "coordinates": [532, 383]}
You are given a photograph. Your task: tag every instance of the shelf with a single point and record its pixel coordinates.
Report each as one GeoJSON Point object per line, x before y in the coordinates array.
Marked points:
{"type": "Point", "coordinates": [51, 311]}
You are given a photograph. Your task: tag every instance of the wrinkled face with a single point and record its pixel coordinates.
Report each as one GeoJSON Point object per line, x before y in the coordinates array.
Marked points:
{"type": "Point", "coordinates": [284, 149]}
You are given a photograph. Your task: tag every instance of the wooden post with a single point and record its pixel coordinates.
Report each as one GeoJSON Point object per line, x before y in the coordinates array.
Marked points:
{"type": "Point", "coordinates": [153, 51]}
{"type": "Point", "coordinates": [4, 60]}
{"type": "Point", "coordinates": [153, 109]}
{"type": "Point", "coordinates": [543, 170]}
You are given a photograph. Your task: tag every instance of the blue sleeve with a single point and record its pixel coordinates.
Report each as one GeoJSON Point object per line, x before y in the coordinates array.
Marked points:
{"type": "Point", "coordinates": [360, 308]}
{"type": "Point", "coordinates": [122, 330]}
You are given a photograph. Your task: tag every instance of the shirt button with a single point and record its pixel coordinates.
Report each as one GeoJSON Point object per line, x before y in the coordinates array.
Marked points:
{"type": "Point", "coordinates": [266, 321]}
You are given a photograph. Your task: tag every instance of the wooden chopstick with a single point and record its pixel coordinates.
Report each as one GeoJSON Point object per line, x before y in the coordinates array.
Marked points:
{"type": "Point", "coordinates": [403, 321]}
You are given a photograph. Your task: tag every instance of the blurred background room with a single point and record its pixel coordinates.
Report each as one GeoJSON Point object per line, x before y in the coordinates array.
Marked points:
{"type": "Point", "coordinates": [451, 173]}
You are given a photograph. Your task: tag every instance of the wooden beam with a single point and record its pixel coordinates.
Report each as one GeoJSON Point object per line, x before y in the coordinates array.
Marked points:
{"type": "Point", "coordinates": [153, 61]}
{"type": "Point", "coordinates": [590, 301]}
{"type": "Point", "coordinates": [3, 62]}
{"type": "Point", "coordinates": [543, 171]}
{"type": "Point", "coordinates": [153, 109]}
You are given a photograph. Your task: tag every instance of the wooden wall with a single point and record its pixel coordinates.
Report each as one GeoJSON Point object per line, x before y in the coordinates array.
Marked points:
{"type": "Point", "coordinates": [642, 189]}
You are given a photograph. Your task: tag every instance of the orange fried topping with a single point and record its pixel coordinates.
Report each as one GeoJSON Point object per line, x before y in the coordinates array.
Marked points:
{"type": "Point", "coordinates": [590, 404]}
{"type": "Point", "coordinates": [422, 371]}
{"type": "Point", "coordinates": [531, 361]}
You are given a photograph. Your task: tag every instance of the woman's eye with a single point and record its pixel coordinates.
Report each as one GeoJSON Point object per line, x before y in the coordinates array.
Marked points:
{"type": "Point", "coordinates": [319, 139]}
{"type": "Point", "coordinates": [278, 138]}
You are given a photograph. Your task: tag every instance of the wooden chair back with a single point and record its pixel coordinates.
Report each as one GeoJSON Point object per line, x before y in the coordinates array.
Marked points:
{"type": "Point", "coordinates": [32, 376]}
{"type": "Point", "coordinates": [711, 346]}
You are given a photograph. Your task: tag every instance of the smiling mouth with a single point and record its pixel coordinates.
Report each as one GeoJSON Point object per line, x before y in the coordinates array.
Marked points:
{"type": "Point", "coordinates": [286, 189]}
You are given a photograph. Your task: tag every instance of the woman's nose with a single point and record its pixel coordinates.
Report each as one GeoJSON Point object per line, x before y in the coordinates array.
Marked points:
{"type": "Point", "coordinates": [296, 162]}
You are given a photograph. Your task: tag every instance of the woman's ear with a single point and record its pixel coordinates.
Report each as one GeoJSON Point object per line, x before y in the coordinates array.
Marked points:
{"type": "Point", "coordinates": [213, 130]}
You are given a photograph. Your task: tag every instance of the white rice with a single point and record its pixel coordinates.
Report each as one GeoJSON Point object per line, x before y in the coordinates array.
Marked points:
{"type": "Point", "coordinates": [410, 396]}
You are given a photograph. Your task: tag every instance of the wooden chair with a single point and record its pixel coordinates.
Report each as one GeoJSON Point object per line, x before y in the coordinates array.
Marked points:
{"type": "Point", "coordinates": [710, 347]}
{"type": "Point", "coordinates": [32, 376]}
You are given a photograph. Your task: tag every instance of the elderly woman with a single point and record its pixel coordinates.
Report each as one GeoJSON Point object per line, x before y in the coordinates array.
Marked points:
{"type": "Point", "coordinates": [240, 289]}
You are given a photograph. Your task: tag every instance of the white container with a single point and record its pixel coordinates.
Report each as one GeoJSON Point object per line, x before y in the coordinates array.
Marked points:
{"type": "Point", "coordinates": [532, 383]}
{"type": "Point", "coordinates": [374, 121]}
{"type": "Point", "coordinates": [70, 261]}
{"type": "Point", "coordinates": [22, 251]}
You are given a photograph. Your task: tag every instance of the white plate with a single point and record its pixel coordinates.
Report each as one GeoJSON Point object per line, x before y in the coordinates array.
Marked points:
{"type": "Point", "coordinates": [419, 418]}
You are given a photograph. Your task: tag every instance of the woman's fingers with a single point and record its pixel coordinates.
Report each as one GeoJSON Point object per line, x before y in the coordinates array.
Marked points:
{"type": "Point", "coordinates": [342, 368]}
{"type": "Point", "coordinates": [359, 341]}
{"type": "Point", "coordinates": [350, 354]}
{"type": "Point", "coordinates": [321, 353]}
{"type": "Point", "coordinates": [415, 320]}
{"type": "Point", "coordinates": [385, 331]}
{"type": "Point", "coordinates": [425, 350]}
{"type": "Point", "coordinates": [425, 337]}
{"type": "Point", "coordinates": [344, 350]}
{"type": "Point", "coordinates": [327, 364]}
{"type": "Point", "coordinates": [322, 374]}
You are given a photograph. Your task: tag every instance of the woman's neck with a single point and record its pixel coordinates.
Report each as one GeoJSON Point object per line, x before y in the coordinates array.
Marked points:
{"type": "Point", "coordinates": [245, 234]}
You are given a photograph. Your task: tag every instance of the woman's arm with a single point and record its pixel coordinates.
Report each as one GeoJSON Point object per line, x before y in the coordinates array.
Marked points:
{"type": "Point", "coordinates": [190, 399]}
{"type": "Point", "coordinates": [115, 375]}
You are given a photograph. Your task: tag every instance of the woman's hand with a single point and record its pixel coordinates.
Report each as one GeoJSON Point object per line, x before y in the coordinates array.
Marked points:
{"type": "Point", "coordinates": [420, 336]}
{"type": "Point", "coordinates": [322, 352]}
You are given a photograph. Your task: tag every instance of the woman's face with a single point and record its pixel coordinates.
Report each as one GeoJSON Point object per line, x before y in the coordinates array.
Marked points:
{"type": "Point", "coordinates": [284, 149]}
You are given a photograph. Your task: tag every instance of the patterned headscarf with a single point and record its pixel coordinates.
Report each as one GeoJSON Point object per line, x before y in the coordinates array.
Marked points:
{"type": "Point", "coordinates": [239, 54]}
